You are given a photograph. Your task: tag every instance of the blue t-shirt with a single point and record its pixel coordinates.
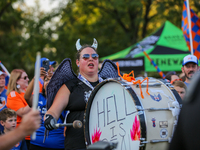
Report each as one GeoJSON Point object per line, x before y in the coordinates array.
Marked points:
{"type": "Point", "coordinates": [56, 137]}
{"type": "Point", "coordinates": [3, 99]}
{"type": "Point", "coordinates": [20, 146]}
{"type": "Point", "coordinates": [187, 84]}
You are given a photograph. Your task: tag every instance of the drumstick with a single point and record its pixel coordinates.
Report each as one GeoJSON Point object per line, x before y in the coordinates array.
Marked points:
{"type": "Point", "coordinates": [76, 124]}
{"type": "Point", "coordinates": [36, 87]}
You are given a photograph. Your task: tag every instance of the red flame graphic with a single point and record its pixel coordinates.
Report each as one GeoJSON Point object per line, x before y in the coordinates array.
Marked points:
{"type": "Point", "coordinates": [135, 131]}
{"type": "Point", "coordinates": [96, 135]}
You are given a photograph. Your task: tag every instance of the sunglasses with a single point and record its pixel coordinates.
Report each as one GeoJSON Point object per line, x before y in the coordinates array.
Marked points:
{"type": "Point", "coordinates": [26, 77]}
{"type": "Point", "coordinates": [175, 80]}
{"type": "Point", "coordinates": [87, 56]}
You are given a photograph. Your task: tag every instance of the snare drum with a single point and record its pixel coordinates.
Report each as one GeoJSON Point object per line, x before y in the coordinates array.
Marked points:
{"type": "Point", "coordinates": [116, 113]}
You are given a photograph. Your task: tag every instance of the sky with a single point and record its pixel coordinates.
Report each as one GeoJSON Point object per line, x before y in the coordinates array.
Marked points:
{"type": "Point", "coordinates": [46, 5]}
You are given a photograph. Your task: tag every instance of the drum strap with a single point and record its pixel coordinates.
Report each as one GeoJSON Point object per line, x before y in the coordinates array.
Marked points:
{"type": "Point", "coordinates": [62, 118]}
{"type": "Point", "coordinates": [84, 80]}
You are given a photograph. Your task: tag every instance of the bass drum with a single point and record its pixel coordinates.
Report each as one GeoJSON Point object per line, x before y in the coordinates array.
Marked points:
{"type": "Point", "coordinates": [117, 113]}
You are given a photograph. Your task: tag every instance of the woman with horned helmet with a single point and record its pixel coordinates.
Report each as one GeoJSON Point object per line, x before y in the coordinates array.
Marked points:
{"type": "Point", "coordinates": [72, 93]}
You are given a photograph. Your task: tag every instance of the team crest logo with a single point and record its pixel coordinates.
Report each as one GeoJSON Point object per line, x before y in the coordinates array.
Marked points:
{"type": "Point", "coordinates": [87, 95]}
{"type": "Point", "coordinates": [154, 122]}
{"type": "Point", "coordinates": [17, 144]}
{"type": "Point", "coordinates": [163, 133]}
{"type": "Point", "coordinates": [156, 97]}
{"type": "Point", "coordinates": [3, 102]}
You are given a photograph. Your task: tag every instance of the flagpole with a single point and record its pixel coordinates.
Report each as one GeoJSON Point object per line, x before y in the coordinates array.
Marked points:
{"type": "Point", "coordinates": [152, 62]}
{"type": "Point", "coordinates": [189, 21]}
{"type": "Point", "coordinates": [4, 68]}
{"type": "Point", "coordinates": [36, 86]}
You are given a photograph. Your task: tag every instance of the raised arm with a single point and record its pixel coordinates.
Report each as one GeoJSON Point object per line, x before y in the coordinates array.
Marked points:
{"type": "Point", "coordinates": [28, 96]}
{"type": "Point", "coordinates": [59, 104]}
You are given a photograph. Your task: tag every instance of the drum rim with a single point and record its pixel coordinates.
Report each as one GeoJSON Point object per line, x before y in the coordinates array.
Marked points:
{"type": "Point", "coordinates": [131, 91]}
{"type": "Point", "coordinates": [174, 92]}
{"type": "Point", "coordinates": [87, 112]}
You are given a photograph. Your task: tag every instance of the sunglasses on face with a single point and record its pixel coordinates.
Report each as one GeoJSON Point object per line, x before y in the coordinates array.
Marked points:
{"type": "Point", "coordinates": [26, 77]}
{"type": "Point", "coordinates": [87, 56]}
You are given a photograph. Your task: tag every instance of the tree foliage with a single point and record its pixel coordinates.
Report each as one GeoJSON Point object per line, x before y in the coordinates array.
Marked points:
{"type": "Point", "coordinates": [115, 24]}
{"type": "Point", "coordinates": [10, 33]}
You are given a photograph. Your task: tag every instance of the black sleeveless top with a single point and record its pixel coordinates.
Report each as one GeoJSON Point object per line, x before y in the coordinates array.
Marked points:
{"type": "Point", "coordinates": [77, 102]}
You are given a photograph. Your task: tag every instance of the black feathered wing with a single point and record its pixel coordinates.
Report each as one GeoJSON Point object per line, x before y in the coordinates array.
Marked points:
{"type": "Point", "coordinates": [63, 73]}
{"type": "Point", "coordinates": [108, 69]}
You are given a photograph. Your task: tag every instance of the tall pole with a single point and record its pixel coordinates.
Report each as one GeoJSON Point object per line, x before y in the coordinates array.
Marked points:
{"type": "Point", "coordinates": [4, 68]}
{"type": "Point", "coordinates": [152, 62]}
{"type": "Point", "coordinates": [189, 22]}
{"type": "Point", "coordinates": [36, 86]}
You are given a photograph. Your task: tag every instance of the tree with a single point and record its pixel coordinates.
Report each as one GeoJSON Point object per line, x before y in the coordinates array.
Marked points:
{"type": "Point", "coordinates": [115, 24]}
{"type": "Point", "coordinates": [10, 34]}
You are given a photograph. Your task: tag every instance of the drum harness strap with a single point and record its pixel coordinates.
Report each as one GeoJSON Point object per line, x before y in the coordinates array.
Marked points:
{"type": "Point", "coordinates": [87, 82]}
{"type": "Point", "coordinates": [87, 87]}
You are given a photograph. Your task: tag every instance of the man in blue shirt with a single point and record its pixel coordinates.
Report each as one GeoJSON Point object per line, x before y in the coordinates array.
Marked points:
{"type": "Point", "coordinates": [3, 96]}
{"type": "Point", "coordinates": [190, 66]}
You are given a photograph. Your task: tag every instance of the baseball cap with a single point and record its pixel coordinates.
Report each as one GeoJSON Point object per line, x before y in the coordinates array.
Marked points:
{"type": "Point", "coordinates": [50, 62]}
{"type": "Point", "coordinates": [2, 73]}
{"type": "Point", "coordinates": [190, 58]}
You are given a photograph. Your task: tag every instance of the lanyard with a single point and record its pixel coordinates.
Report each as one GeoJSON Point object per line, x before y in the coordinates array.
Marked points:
{"type": "Point", "coordinates": [87, 82]}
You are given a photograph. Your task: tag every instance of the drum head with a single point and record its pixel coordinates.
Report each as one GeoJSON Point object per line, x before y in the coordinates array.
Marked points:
{"type": "Point", "coordinates": [111, 115]}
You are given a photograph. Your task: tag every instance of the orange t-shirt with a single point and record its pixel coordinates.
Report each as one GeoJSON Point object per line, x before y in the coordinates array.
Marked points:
{"type": "Point", "coordinates": [16, 101]}
{"type": "Point", "coordinates": [41, 86]}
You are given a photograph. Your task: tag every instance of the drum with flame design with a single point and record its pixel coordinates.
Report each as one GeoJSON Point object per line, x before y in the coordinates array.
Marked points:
{"type": "Point", "coordinates": [116, 112]}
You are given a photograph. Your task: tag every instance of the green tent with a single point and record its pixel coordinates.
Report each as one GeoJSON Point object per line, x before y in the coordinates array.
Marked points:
{"type": "Point", "coordinates": [166, 47]}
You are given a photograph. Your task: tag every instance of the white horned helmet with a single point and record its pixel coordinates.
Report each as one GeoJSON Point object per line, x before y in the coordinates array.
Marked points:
{"type": "Point", "coordinates": [79, 46]}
